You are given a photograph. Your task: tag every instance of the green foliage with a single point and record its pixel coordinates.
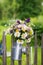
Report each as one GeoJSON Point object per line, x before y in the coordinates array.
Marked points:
{"type": "Point", "coordinates": [7, 10]}
{"type": "Point", "coordinates": [27, 8]}
{"type": "Point", "coordinates": [38, 26]}
{"type": "Point", "coordinates": [20, 9]}
{"type": "Point", "coordinates": [4, 23]}
{"type": "Point", "coordinates": [1, 8]}
{"type": "Point", "coordinates": [10, 2]}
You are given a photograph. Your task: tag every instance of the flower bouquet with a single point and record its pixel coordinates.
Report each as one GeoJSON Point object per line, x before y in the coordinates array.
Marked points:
{"type": "Point", "coordinates": [22, 32]}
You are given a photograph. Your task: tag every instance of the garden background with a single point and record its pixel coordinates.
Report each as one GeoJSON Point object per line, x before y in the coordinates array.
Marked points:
{"type": "Point", "coordinates": [12, 10]}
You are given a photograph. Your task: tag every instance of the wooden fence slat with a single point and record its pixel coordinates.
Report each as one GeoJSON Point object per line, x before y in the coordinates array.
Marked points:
{"type": "Point", "coordinates": [35, 50]}
{"type": "Point", "coordinates": [42, 49]}
{"type": "Point", "coordinates": [12, 43]}
{"type": "Point", "coordinates": [4, 49]}
{"type": "Point", "coordinates": [27, 54]}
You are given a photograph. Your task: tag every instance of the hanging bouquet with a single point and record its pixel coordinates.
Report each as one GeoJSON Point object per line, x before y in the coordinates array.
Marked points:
{"type": "Point", "coordinates": [22, 32]}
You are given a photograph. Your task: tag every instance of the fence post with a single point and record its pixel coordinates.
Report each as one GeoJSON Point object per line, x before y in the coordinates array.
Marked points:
{"type": "Point", "coordinates": [4, 49]}
{"type": "Point", "coordinates": [42, 49]}
{"type": "Point", "coordinates": [35, 51]}
{"type": "Point", "coordinates": [12, 43]}
{"type": "Point", "coordinates": [27, 54]}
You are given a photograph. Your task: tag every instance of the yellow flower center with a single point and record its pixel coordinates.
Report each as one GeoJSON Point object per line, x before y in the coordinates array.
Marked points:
{"type": "Point", "coordinates": [17, 30]}
{"type": "Point", "coordinates": [19, 40]}
{"type": "Point", "coordinates": [23, 29]}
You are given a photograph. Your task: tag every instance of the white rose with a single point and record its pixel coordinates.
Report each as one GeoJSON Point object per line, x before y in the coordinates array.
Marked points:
{"type": "Point", "coordinates": [17, 34]}
{"type": "Point", "coordinates": [24, 35]}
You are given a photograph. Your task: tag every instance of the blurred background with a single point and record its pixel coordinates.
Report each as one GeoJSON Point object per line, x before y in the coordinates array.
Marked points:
{"type": "Point", "coordinates": [11, 10]}
{"type": "Point", "coordinates": [20, 9]}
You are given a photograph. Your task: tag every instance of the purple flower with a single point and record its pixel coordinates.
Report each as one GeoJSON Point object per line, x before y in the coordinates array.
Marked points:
{"type": "Point", "coordinates": [11, 31]}
{"type": "Point", "coordinates": [18, 21]}
{"type": "Point", "coordinates": [27, 20]}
